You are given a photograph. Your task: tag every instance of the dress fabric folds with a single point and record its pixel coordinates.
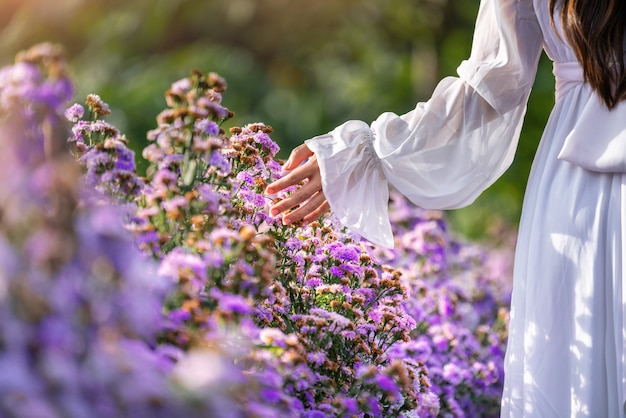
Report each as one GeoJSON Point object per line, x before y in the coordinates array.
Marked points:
{"type": "Point", "coordinates": [566, 350]}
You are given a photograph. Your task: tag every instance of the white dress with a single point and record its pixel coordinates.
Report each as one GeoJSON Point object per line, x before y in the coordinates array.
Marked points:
{"type": "Point", "coordinates": [566, 350]}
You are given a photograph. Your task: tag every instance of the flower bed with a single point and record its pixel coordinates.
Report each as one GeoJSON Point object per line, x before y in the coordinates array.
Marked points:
{"type": "Point", "coordinates": [178, 294]}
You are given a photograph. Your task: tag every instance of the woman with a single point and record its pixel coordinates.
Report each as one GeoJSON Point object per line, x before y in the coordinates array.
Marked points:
{"type": "Point", "coordinates": [566, 350]}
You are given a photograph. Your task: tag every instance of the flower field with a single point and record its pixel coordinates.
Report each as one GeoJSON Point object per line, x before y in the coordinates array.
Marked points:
{"type": "Point", "coordinates": [177, 294]}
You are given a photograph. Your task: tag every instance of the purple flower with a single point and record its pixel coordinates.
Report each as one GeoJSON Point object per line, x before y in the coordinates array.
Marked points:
{"type": "Point", "coordinates": [386, 383]}
{"type": "Point", "coordinates": [165, 179]}
{"type": "Point", "coordinates": [54, 93]}
{"type": "Point", "coordinates": [207, 127]}
{"type": "Point", "coordinates": [218, 161]}
{"type": "Point", "coordinates": [179, 265]}
{"type": "Point", "coordinates": [313, 414]}
{"type": "Point", "coordinates": [214, 258]}
{"type": "Point", "coordinates": [374, 406]}
{"type": "Point", "coordinates": [178, 316]}
{"type": "Point", "coordinates": [175, 204]}
{"type": "Point", "coordinates": [314, 282]}
{"type": "Point", "coordinates": [274, 167]}
{"type": "Point", "coordinates": [344, 253]}
{"type": "Point", "coordinates": [152, 153]}
{"type": "Point", "coordinates": [294, 243]}
{"type": "Point", "coordinates": [245, 177]}
{"type": "Point", "coordinates": [317, 358]}
{"type": "Point", "coordinates": [252, 199]}
{"type": "Point", "coordinates": [453, 374]}
{"type": "Point", "coordinates": [181, 87]}
{"type": "Point", "coordinates": [270, 395]}
{"type": "Point", "coordinates": [125, 158]}
{"type": "Point", "coordinates": [336, 271]}
{"type": "Point", "coordinates": [266, 143]}
{"type": "Point", "coordinates": [75, 112]}
{"type": "Point", "coordinates": [234, 304]}
{"type": "Point", "coordinates": [375, 315]}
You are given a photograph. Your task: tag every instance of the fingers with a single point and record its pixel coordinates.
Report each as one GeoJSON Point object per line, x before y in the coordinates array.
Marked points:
{"type": "Point", "coordinates": [309, 200]}
{"type": "Point", "coordinates": [315, 207]}
{"type": "Point", "coordinates": [317, 213]}
{"type": "Point", "coordinates": [298, 154]}
{"type": "Point", "coordinates": [313, 186]}
{"type": "Point", "coordinates": [291, 179]}
{"type": "Point", "coordinates": [301, 172]}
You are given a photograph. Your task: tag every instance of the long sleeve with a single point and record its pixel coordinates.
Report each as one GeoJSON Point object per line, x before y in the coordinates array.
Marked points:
{"type": "Point", "coordinates": [448, 150]}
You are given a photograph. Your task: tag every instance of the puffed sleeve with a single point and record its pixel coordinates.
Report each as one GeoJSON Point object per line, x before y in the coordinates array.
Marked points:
{"type": "Point", "coordinates": [448, 150]}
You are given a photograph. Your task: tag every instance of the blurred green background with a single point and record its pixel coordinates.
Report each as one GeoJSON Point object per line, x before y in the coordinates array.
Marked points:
{"type": "Point", "coordinates": [302, 67]}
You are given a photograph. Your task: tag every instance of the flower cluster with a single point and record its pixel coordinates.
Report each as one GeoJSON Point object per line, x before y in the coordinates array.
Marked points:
{"type": "Point", "coordinates": [103, 152]}
{"type": "Point", "coordinates": [202, 304]}
{"type": "Point", "coordinates": [33, 93]}
{"type": "Point", "coordinates": [80, 306]}
{"type": "Point", "coordinates": [330, 310]}
{"type": "Point", "coordinates": [347, 312]}
{"type": "Point", "coordinates": [460, 308]}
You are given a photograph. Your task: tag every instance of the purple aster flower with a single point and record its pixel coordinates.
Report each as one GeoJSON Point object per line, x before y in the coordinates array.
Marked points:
{"type": "Point", "coordinates": [219, 112]}
{"type": "Point", "coordinates": [179, 264]}
{"type": "Point", "coordinates": [170, 161]}
{"type": "Point", "coordinates": [181, 87]}
{"type": "Point", "coordinates": [245, 177]}
{"type": "Point", "coordinates": [218, 161]}
{"type": "Point", "coordinates": [75, 112]}
{"type": "Point", "coordinates": [314, 282]}
{"type": "Point", "coordinates": [177, 316]}
{"type": "Point", "coordinates": [375, 315]}
{"type": "Point", "coordinates": [336, 271]}
{"type": "Point", "coordinates": [252, 199]}
{"type": "Point", "coordinates": [164, 179]}
{"type": "Point", "coordinates": [351, 268]}
{"type": "Point", "coordinates": [298, 259]}
{"type": "Point", "coordinates": [266, 143]}
{"type": "Point", "coordinates": [54, 93]}
{"type": "Point", "coordinates": [152, 153]}
{"type": "Point", "coordinates": [270, 395]}
{"type": "Point", "coordinates": [294, 243]}
{"type": "Point", "coordinates": [274, 167]}
{"type": "Point", "coordinates": [374, 407]}
{"type": "Point", "coordinates": [386, 383]}
{"type": "Point", "coordinates": [343, 252]}
{"type": "Point", "coordinates": [313, 414]}
{"type": "Point", "coordinates": [317, 358]}
{"type": "Point", "coordinates": [233, 304]}
{"type": "Point", "coordinates": [453, 373]}
{"type": "Point", "coordinates": [348, 335]}
{"type": "Point", "coordinates": [207, 127]}
{"type": "Point", "coordinates": [175, 204]}
{"type": "Point", "coordinates": [125, 157]}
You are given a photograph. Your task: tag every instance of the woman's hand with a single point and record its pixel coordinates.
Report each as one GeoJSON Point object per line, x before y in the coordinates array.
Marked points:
{"type": "Point", "coordinates": [309, 199]}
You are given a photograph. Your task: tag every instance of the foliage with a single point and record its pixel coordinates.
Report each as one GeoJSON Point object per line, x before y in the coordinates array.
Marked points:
{"type": "Point", "coordinates": [302, 320]}
{"type": "Point", "coordinates": [80, 307]}
{"type": "Point", "coordinates": [308, 290]}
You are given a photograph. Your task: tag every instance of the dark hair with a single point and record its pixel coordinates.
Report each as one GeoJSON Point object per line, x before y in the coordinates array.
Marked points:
{"type": "Point", "coordinates": [596, 29]}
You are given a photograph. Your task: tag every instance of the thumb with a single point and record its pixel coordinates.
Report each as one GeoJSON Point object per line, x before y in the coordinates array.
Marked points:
{"type": "Point", "coordinates": [299, 154]}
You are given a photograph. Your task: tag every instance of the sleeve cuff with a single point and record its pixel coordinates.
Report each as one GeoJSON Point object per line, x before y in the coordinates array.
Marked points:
{"type": "Point", "coordinates": [354, 182]}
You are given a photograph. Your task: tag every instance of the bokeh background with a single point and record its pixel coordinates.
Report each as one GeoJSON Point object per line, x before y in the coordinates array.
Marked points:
{"type": "Point", "coordinates": [302, 67]}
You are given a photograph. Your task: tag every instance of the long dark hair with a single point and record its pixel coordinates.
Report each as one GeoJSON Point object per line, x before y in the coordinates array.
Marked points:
{"type": "Point", "coordinates": [596, 30]}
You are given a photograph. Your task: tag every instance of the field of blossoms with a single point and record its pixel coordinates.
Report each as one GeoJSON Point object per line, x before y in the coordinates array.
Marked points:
{"type": "Point", "coordinates": [177, 294]}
